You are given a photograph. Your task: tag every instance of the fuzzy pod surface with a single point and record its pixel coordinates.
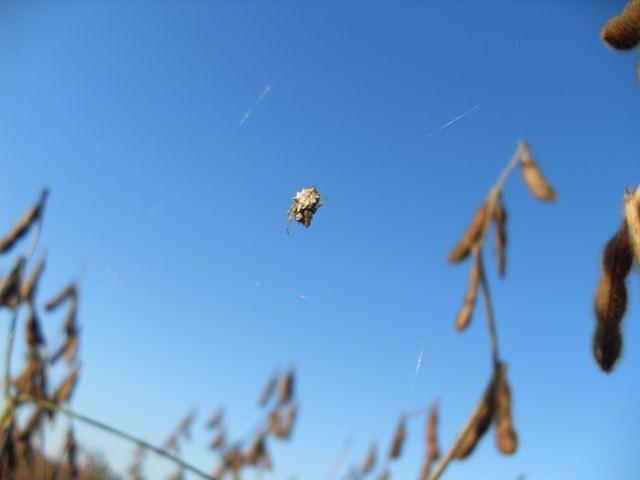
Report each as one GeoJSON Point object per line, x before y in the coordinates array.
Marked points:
{"type": "Point", "coordinates": [622, 32]}
{"type": "Point", "coordinates": [611, 299]}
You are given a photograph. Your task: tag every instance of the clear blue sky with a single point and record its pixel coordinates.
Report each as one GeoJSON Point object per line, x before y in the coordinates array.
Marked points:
{"type": "Point", "coordinates": [169, 212]}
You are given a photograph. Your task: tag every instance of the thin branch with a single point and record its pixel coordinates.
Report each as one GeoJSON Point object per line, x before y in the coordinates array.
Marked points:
{"type": "Point", "coordinates": [491, 324]}
{"type": "Point", "coordinates": [120, 433]}
{"type": "Point", "coordinates": [515, 159]}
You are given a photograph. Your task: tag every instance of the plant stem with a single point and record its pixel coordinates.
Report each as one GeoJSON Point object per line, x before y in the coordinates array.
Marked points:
{"type": "Point", "coordinates": [491, 324]}
{"type": "Point", "coordinates": [120, 433]}
{"type": "Point", "coordinates": [515, 159]}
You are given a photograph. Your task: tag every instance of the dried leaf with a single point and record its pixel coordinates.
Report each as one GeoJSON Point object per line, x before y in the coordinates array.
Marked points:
{"type": "Point", "coordinates": [533, 176]}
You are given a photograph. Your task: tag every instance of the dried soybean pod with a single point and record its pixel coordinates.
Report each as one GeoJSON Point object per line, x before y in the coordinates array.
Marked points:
{"type": "Point", "coordinates": [611, 298]}
{"type": "Point", "coordinates": [622, 32]}
{"type": "Point", "coordinates": [632, 216]}
{"type": "Point", "coordinates": [30, 285]}
{"type": "Point", "coordinates": [10, 285]}
{"type": "Point", "coordinates": [398, 439]}
{"type": "Point", "coordinates": [370, 460]}
{"type": "Point", "coordinates": [33, 335]}
{"type": "Point", "coordinates": [506, 437]}
{"type": "Point", "coordinates": [464, 315]}
{"type": "Point", "coordinates": [533, 177]}
{"type": "Point", "coordinates": [269, 388]}
{"type": "Point", "coordinates": [385, 475]}
{"type": "Point", "coordinates": [216, 419]}
{"type": "Point", "coordinates": [285, 391]}
{"type": "Point", "coordinates": [256, 450]}
{"type": "Point", "coordinates": [500, 219]}
{"type": "Point", "coordinates": [480, 425]}
{"type": "Point", "coordinates": [33, 215]}
{"type": "Point", "coordinates": [218, 441]}
{"type": "Point", "coordinates": [64, 391]}
{"type": "Point", "coordinates": [71, 450]}
{"type": "Point", "coordinates": [289, 420]}
{"type": "Point", "coordinates": [432, 433]}
{"type": "Point", "coordinates": [433, 452]}
{"type": "Point", "coordinates": [70, 292]}
{"type": "Point", "coordinates": [473, 233]}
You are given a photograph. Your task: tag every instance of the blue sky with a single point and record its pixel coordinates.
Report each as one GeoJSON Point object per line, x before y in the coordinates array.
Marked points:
{"type": "Point", "coordinates": [169, 211]}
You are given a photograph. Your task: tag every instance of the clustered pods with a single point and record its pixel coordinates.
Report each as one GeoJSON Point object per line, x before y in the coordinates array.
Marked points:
{"type": "Point", "coordinates": [31, 386]}
{"type": "Point", "coordinates": [277, 392]}
{"type": "Point", "coordinates": [495, 407]}
{"type": "Point", "coordinates": [479, 425]}
{"type": "Point", "coordinates": [493, 212]}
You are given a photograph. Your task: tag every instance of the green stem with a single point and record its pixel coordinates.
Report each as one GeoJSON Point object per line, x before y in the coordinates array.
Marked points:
{"type": "Point", "coordinates": [120, 433]}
